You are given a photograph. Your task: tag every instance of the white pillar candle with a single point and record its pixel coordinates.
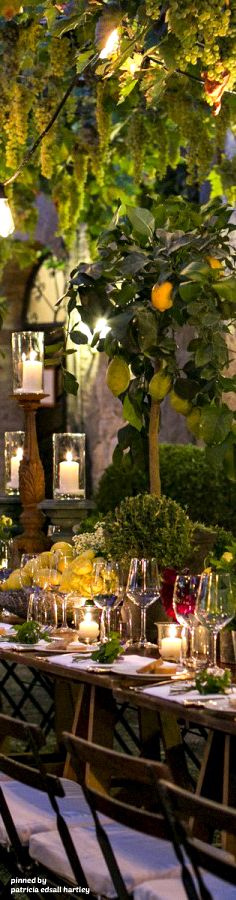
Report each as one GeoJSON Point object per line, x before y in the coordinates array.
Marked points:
{"type": "Point", "coordinates": [69, 475]}
{"type": "Point", "coordinates": [15, 464]}
{"type": "Point", "coordinates": [88, 628]}
{"type": "Point", "coordinates": [170, 647]}
{"type": "Point", "coordinates": [32, 374]}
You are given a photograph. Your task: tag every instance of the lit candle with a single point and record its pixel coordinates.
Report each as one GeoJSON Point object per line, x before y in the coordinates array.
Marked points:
{"type": "Point", "coordinates": [69, 475]}
{"type": "Point", "coordinates": [170, 647]}
{"type": "Point", "coordinates": [88, 628]}
{"type": "Point", "coordinates": [32, 374]}
{"type": "Point", "coordinates": [15, 463]}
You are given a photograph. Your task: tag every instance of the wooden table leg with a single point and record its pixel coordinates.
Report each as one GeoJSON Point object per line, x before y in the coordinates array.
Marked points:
{"type": "Point", "coordinates": [101, 723]}
{"type": "Point", "coordinates": [217, 780]}
{"type": "Point", "coordinates": [149, 731]}
{"type": "Point", "coordinates": [174, 750]}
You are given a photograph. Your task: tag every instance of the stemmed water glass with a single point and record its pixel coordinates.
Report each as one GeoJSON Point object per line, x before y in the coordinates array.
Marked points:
{"type": "Point", "coordinates": [215, 604]}
{"type": "Point", "coordinates": [184, 605]}
{"type": "Point", "coordinates": [107, 590]}
{"type": "Point", "coordinates": [143, 589]}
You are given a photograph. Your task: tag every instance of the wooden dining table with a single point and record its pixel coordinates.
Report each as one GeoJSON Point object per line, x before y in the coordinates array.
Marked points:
{"type": "Point", "coordinates": [89, 704]}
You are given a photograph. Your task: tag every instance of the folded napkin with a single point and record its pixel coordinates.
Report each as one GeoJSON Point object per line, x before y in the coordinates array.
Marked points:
{"type": "Point", "coordinates": [167, 692]}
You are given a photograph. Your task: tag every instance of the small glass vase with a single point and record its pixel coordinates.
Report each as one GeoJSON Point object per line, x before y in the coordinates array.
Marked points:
{"type": "Point", "coordinates": [87, 622]}
{"type": "Point", "coordinates": [69, 466]}
{"type": "Point", "coordinates": [28, 361]}
{"type": "Point", "coordinates": [14, 442]}
{"type": "Point", "coordinates": [169, 641]}
{"type": "Point", "coordinates": [6, 546]}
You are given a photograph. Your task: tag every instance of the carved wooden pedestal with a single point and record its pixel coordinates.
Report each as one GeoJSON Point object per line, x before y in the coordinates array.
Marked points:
{"type": "Point", "coordinates": [31, 482]}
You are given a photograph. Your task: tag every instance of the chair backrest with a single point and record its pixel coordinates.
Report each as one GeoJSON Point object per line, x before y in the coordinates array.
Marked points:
{"type": "Point", "coordinates": [119, 766]}
{"type": "Point", "coordinates": [32, 736]}
{"type": "Point", "coordinates": [179, 807]}
{"type": "Point", "coordinates": [37, 777]}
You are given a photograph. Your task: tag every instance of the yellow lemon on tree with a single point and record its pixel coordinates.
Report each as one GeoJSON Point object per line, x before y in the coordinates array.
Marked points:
{"type": "Point", "coordinates": [180, 404]}
{"type": "Point", "coordinates": [118, 376]}
{"type": "Point", "coordinates": [227, 556]}
{"type": "Point", "coordinates": [193, 421]}
{"type": "Point", "coordinates": [159, 386]}
{"type": "Point", "coordinates": [161, 296]}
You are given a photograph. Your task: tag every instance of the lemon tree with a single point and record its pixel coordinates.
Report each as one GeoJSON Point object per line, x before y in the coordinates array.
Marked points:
{"type": "Point", "coordinates": [160, 92]}
{"type": "Point", "coordinates": [150, 281]}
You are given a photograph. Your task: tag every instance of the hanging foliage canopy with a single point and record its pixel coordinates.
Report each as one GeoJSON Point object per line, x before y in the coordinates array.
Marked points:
{"type": "Point", "coordinates": [148, 83]}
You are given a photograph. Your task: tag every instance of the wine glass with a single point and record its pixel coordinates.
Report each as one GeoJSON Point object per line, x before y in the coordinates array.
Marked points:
{"type": "Point", "coordinates": [107, 592]}
{"type": "Point", "coordinates": [143, 588]}
{"type": "Point", "coordinates": [42, 608]}
{"type": "Point", "coordinates": [215, 604]}
{"type": "Point", "coordinates": [59, 563]}
{"type": "Point", "coordinates": [184, 604]}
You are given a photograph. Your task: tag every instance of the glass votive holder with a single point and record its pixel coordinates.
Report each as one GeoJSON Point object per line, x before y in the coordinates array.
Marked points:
{"type": "Point", "coordinates": [14, 442]}
{"type": "Point", "coordinates": [28, 361]}
{"type": "Point", "coordinates": [69, 466]}
{"type": "Point", "coordinates": [87, 622]}
{"type": "Point", "coordinates": [169, 640]}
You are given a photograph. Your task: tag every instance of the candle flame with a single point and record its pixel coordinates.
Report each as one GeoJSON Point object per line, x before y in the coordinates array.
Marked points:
{"type": "Point", "coordinates": [69, 456]}
{"type": "Point", "coordinates": [19, 453]}
{"type": "Point", "coordinates": [31, 358]}
{"type": "Point", "coordinates": [88, 617]}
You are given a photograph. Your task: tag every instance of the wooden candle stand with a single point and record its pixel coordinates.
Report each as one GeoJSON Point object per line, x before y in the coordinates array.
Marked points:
{"type": "Point", "coordinates": [31, 482]}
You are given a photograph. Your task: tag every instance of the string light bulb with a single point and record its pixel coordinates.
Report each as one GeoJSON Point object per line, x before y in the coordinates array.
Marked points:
{"type": "Point", "coordinates": [111, 45]}
{"type": "Point", "coordinates": [6, 219]}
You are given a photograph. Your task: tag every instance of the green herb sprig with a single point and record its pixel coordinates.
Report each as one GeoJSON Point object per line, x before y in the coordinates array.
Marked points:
{"type": "Point", "coordinates": [29, 633]}
{"type": "Point", "coordinates": [213, 682]}
{"type": "Point", "coordinates": [109, 651]}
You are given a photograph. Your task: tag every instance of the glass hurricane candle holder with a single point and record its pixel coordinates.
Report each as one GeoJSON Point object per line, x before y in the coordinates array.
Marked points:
{"type": "Point", "coordinates": [28, 361]}
{"type": "Point", "coordinates": [69, 466]}
{"type": "Point", "coordinates": [87, 622]}
{"type": "Point", "coordinates": [169, 640]}
{"type": "Point", "coordinates": [14, 441]}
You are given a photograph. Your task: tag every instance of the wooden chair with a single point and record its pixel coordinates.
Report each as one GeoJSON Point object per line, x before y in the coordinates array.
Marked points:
{"type": "Point", "coordinates": [182, 810]}
{"type": "Point", "coordinates": [32, 800]}
{"type": "Point", "coordinates": [184, 805]}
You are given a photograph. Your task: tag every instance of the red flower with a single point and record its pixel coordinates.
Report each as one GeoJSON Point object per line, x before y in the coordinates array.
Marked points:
{"type": "Point", "coordinates": [167, 589]}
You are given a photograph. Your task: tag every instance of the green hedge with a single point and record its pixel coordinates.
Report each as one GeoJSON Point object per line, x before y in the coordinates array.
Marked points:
{"type": "Point", "coordinates": [186, 476]}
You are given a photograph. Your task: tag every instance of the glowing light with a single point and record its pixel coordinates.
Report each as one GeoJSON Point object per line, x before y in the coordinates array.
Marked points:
{"type": "Point", "coordinates": [111, 45]}
{"type": "Point", "coordinates": [19, 453]}
{"type": "Point", "coordinates": [102, 328]}
{"type": "Point", "coordinates": [69, 456]}
{"type": "Point", "coordinates": [6, 219]}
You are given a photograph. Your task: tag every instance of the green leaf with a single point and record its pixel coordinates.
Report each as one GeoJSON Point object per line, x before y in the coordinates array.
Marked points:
{"type": "Point", "coordinates": [78, 337]}
{"type": "Point", "coordinates": [196, 271]}
{"type": "Point", "coordinates": [188, 291]}
{"type": "Point", "coordinates": [226, 288]}
{"type": "Point", "coordinates": [133, 263]}
{"type": "Point", "coordinates": [142, 220]}
{"type": "Point", "coordinates": [82, 60]}
{"type": "Point", "coordinates": [203, 355]}
{"type": "Point", "coordinates": [69, 383]}
{"type": "Point", "coordinates": [215, 424]}
{"type": "Point", "coordinates": [131, 415]}
{"type": "Point", "coordinates": [147, 323]}
{"type": "Point", "coordinates": [228, 385]}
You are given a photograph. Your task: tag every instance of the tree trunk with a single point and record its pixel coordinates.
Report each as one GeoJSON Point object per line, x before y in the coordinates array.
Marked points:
{"type": "Point", "coordinates": [154, 457]}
